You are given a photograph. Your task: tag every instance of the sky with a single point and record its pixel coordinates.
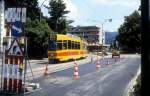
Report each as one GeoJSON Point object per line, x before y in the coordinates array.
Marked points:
{"type": "Point", "coordinates": [97, 12]}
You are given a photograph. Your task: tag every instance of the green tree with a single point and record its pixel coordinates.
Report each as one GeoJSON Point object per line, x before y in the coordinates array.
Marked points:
{"type": "Point", "coordinates": [38, 34]}
{"type": "Point", "coordinates": [129, 33]}
{"type": "Point", "coordinates": [57, 21]}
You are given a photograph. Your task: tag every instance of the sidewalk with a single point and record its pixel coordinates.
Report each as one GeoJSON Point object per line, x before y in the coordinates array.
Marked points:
{"type": "Point", "coordinates": [38, 66]}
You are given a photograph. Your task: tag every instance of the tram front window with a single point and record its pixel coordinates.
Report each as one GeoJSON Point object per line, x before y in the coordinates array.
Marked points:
{"type": "Point", "coordinates": [52, 45]}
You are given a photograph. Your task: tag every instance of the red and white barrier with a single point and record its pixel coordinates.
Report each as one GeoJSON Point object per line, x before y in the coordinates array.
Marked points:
{"type": "Point", "coordinates": [98, 66]}
{"type": "Point", "coordinates": [76, 73]}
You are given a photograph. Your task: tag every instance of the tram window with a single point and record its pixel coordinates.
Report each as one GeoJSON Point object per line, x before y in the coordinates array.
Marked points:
{"type": "Point", "coordinates": [64, 44]}
{"type": "Point", "coordinates": [78, 45]}
{"type": "Point", "coordinates": [69, 44]}
{"type": "Point", "coordinates": [74, 46]}
{"type": "Point", "coordinates": [52, 45]}
{"type": "Point", "coordinates": [59, 45]}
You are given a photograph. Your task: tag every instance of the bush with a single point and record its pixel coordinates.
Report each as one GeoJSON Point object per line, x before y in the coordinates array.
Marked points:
{"type": "Point", "coordinates": [137, 88]}
{"type": "Point", "coordinates": [38, 34]}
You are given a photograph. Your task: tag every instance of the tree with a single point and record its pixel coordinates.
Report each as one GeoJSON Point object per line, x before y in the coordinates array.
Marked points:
{"type": "Point", "coordinates": [129, 33]}
{"type": "Point", "coordinates": [57, 20]}
{"type": "Point", "coordinates": [38, 35]}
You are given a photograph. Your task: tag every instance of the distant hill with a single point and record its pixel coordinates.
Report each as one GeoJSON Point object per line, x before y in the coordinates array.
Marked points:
{"type": "Point", "coordinates": [110, 36]}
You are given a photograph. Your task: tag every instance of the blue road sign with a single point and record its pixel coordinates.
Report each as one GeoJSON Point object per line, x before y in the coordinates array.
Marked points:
{"type": "Point", "coordinates": [17, 29]}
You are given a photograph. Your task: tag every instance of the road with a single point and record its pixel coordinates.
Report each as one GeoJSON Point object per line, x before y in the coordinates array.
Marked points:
{"type": "Point", "coordinates": [111, 80]}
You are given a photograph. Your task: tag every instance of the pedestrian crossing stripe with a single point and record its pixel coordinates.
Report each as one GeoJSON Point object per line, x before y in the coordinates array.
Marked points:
{"type": "Point", "coordinates": [15, 49]}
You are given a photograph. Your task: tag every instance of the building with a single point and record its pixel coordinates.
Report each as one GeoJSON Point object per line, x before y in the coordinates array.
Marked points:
{"type": "Point", "coordinates": [91, 34]}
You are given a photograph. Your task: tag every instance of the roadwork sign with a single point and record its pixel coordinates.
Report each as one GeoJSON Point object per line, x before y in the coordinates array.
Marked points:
{"type": "Point", "coordinates": [15, 49]}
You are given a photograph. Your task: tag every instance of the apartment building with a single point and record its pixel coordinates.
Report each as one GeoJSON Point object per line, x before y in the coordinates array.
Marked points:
{"type": "Point", "coordinates": [90, 33]}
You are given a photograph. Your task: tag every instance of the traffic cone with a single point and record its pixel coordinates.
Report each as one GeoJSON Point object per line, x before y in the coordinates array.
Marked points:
{"type": "Point", "coordinates": [46, 71]}
{"type": "Point", "coordinates": [108, 63]}
{"type": "Point", "coordinates": [98, 65]}
{"type": "Point", "coordinates": [76, 73]}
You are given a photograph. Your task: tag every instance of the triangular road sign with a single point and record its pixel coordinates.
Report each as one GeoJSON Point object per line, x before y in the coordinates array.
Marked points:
{"type": "Point", "coordinates": [15, 49]}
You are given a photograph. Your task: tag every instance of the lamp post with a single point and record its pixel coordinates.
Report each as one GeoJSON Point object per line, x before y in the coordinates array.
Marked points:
{"type": "Point", "coordinates": [103, 34]}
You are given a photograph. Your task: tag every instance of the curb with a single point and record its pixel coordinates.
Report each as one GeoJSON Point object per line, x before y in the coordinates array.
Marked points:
{"type": "Point", "coordinates": [32, 91]}
{"type": "Point", "coordinates": [131, 84]}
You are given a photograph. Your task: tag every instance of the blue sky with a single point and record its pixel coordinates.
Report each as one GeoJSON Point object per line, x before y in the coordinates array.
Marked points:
{"type": "Point", "coordinates": [94, 12]}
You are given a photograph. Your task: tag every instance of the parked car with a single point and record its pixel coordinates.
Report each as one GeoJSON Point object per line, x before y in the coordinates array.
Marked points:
{"type": "Point", "coordinates": [115, 53]}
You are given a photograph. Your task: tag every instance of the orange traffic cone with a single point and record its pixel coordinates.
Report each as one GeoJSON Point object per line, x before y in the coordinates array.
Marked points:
{"type": "Point", "coordinates": [76, 73]}
{"type": "Point", "coordinates": [98, 65]}
{"type": "Point", "coordinates": [46, 71]}
{"type": "Point", "coordinates": [108, 63]}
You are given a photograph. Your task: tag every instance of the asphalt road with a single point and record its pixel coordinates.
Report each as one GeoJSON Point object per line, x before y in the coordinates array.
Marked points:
{"type": "Point", "coordinates": [111, 80]}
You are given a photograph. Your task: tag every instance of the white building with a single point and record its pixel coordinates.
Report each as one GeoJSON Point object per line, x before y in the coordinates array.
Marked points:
{"type": "Point", "coordinates": [2, 23]}
{"type": "Point", "coordinates": [102, 37]}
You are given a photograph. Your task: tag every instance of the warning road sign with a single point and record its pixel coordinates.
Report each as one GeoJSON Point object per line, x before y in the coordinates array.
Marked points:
{"type": "Point", "coordinates": [15, 49]}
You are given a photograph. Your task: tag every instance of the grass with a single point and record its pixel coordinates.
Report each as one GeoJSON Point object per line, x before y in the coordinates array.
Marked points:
{"type": "Point", "coordinates": [136, 88]}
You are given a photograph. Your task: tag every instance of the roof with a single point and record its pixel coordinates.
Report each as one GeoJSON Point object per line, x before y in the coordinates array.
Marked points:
{"type": "Point", "coordinates": [84, 28]}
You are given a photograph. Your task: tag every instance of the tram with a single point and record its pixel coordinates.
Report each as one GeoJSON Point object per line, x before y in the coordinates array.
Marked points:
{"type": "Point", "coordinates": [66, 47]}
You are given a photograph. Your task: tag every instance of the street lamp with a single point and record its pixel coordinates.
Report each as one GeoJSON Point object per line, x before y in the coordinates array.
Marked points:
{"type": "Point", "coordinates": [103, 34]}
{"type": "Point", "coordinates": [102, 28]}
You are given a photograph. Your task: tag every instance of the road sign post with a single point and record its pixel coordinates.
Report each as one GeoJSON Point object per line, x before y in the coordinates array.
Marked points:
{"type": "Point", "coordinates": [13, 67]}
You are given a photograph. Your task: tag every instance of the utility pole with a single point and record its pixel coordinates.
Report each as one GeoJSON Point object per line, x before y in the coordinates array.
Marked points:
{"type": "Point", "coordinates": [145, 54]}
{"type": "Point", "coordinates": [103, 32]}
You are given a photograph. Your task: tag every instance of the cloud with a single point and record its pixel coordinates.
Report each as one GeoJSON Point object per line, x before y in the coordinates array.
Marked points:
{"type": "Point", "coordinates": [125, 3]}
{"type": "Point", "coordinates": [43, 9]}
{"type": "Point", "coordinates": [69, 4]}
{"type": "Point", "coordinates": [72, 8]}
